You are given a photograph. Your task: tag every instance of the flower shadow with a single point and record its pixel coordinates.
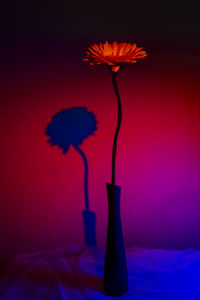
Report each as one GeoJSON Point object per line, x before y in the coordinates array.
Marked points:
{"type": "Point", "coordinates": [70, 127]}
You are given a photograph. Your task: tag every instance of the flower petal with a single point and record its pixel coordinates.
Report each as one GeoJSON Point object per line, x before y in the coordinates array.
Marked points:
{"type": "Point", "coordinates": [115, 48]}
{"type": "Point", "coordinates": [107, 49]}
{"type": "Point", "coordinates": [121, 48]}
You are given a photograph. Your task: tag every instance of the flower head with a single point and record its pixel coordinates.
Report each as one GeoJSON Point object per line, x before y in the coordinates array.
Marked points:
{"type": "Point", "coordinates": [70, 127]}
{"type": "Point", "coordinates": [114, 54]}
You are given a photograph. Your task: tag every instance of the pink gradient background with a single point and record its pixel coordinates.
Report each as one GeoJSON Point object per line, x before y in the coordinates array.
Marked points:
{"type": "Point", "coordinates": [158, 158]}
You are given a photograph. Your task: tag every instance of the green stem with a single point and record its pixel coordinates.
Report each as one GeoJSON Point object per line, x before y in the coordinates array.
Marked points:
{"type": "Point", "coordinates": [119, 119]}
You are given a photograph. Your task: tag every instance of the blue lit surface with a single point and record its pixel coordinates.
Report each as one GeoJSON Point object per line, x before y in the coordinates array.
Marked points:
{"type": "Point", "coordinates": [77, 273]}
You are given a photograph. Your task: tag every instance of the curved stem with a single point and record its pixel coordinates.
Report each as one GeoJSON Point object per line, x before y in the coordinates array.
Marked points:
{"type": "Point", "coordinates": [86, 175]}
{"type": "Point", "coordinates": [119, 119]}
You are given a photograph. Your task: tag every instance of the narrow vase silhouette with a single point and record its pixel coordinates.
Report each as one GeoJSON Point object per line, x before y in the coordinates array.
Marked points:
{"type": "Point", "coordinates": [70, 127]}
{"type": "Point", "coordinates": [115, 268]}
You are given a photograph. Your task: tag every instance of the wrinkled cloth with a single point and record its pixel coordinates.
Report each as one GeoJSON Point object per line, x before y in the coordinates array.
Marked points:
{"type": "Point", "coordinates": [76, 273]}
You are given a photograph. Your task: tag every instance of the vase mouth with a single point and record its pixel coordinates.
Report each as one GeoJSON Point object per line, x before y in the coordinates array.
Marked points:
{"type": "Point", "coordinates": [112, 185]}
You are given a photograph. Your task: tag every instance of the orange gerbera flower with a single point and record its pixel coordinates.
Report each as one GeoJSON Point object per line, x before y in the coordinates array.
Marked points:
{"type": "Point", "coordinates": [114, 55]}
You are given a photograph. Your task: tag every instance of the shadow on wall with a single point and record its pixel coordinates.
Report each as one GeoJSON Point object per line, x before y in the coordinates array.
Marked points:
{"type": "Point", "coordinates": [70, 127]}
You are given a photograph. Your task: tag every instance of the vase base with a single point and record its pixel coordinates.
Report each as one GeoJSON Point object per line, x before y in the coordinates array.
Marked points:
{"type": "Point", "coordinates": [115, 293]}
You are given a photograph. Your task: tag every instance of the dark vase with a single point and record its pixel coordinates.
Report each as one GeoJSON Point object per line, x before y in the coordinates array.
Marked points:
{"type": "Point", "coordinates": [115, 267]}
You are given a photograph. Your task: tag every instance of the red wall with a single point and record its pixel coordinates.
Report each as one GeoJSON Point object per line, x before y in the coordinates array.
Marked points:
{"type": "Point", "coordinates": [158, 158]}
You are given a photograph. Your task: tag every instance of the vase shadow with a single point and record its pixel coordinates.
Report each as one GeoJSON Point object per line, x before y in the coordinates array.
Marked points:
{"type": "Point", "coordinates": [70, 127]}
